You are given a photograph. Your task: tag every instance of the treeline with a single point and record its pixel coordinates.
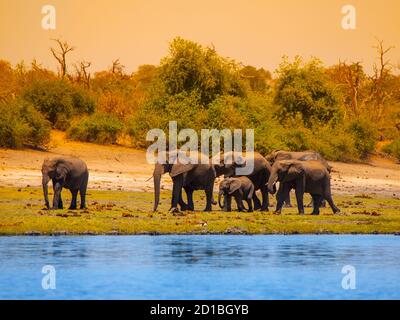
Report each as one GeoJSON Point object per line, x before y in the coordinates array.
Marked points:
{"type": "Point", "coordinates": [339, 111]}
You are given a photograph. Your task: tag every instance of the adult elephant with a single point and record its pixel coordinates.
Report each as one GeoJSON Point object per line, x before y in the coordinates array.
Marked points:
{"type": "Point", "coordinates": [301, 156]}
{"type": "Point", "coordinates": [259, 176]}
{"type": "Point", "coordinates": [303, 176]}
{"type": "Point", "coordinates": [69, 173]}
{"type": "Point", "coordinates": [189, 177]}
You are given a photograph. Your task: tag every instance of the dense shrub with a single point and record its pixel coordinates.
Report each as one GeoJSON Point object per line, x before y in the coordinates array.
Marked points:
{"type": "Point", "coordinates": [98, 127]}
{"type": "Point", "coordinates": [393, 148]}
{"type": "Point", "coordinates": [59, 101]}
{"type": "Point", "coordinates": [365, 136]}
{"type": "Point", "coordinates": [192, 67]}
{"type": "Point", "coordinates": [22, 125]}
{"type": "Point", "coordinates": [305, 90]}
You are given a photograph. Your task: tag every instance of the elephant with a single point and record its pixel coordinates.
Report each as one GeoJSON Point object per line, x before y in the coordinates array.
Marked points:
{"type": "Point", "coordinates": [304, 176]}
{"type": "Point", "coordinates": [69, 173]}
{"type": "Point", "coordinates": [259, 177]}
{"type": "Point", "coordinates": [298, 155]}
{"type": "Point", "coordinates": [241, 188]}
{"type": "Point", "coordinates": [188, 176]}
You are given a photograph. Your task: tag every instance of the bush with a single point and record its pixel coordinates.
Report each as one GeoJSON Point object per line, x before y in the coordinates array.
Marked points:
{"type": "Point", "coordinates": [22, 125]}
{"type": "Point", "coordinates": [365, 137]}
{"type": "Point", "coordinates": [184, 108]}
{"type": "Point", "coordinates": [59, 101]}
{"type": "Point", "coordinates": [393, 148]}
{"type": "Point", "coordinates": [99, 128]}
{"type": "Point", "coordinates": [305, 89]}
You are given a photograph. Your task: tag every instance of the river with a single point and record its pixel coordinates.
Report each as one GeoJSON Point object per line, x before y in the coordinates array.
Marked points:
{"type": "Point", "coordinates": [200, 267]}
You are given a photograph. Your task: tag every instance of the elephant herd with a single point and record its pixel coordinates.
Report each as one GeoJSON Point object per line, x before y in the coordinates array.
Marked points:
{"type": "Point", "coordinates": [305, 172]}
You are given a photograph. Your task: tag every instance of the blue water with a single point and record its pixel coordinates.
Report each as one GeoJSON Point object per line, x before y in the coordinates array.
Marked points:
{"type": "Point", "coordinates": [200, 267]}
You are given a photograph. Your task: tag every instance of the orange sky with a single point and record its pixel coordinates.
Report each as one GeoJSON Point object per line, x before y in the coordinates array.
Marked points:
{"type": "Point", "coordinates": [256, 32]}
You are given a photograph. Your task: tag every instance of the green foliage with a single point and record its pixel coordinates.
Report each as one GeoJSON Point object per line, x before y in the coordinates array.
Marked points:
{"type": "Point", "coordinates": [257, 79]}
{"type": "Point", "coordinates": [192, 67]}
{"type": "Point", "coordinates": [306, 106]}
{"type": "Point", "coordinates": [365, 136]}
{"type": "Point", "coordinates": [22, 125]}
{"type": "Point", "coordinates": [305, 89]}
{"type": "Point", "coordinates": [393, 148]}
{"type": "Point", "coordinates": [99, 128]}
{"type": "Point", "coordinates": [184, 108]}
{"type": "Point", "coordinates": [59, 101]}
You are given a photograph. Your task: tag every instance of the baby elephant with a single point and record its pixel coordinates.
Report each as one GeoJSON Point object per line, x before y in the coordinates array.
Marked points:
{"type": "Point", "coordinates": [241, 188]}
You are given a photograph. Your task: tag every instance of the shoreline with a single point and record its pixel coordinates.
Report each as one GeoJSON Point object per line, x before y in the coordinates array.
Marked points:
{"type": "Point", "coordinates": [55, 235]}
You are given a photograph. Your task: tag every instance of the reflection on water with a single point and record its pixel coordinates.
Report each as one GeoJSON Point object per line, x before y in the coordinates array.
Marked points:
{"type": "Point", "coordinates": [200, 267]}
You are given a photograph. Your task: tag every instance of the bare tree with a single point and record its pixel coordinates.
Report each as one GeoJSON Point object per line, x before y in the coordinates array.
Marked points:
{"type": "Point", "coordinates": [117, 67]}
{"type": "Point", "coordinates": [83, 76]}
{"type": "Point", "coordinates": [60, 55]}
{"type": "Point", "coordinates": [379, 93]}
{"type": "Point", "coordinates": [352, 75]}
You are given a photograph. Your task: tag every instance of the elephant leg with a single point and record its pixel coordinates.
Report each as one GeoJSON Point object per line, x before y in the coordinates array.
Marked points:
{"type": "Point", "coordinates": [328, 197]}
{"type": "Point", "coordinates": [299, 197]}
{"type": "Point", "coordinates": [316, 203]}
{"type": "Point", "coordinates": [189, 194]}
{"type": "Point", "coordinates": [281, 196]}
{"type": "Point", "coordinates": [182, 203]}
{"type": "Point", "coordinates": [57, 201]}
{"type": "Point", "coordinates": [228, 203]}
{"type": "Point", "coordinates": [209, 198]}
{"type": "Point", "coordinates": [265, 198]}
{"type": "Point", "coordinates": [332, 204]}
{"type": "Point", "coordinates": [176, 193]}
{"type": "Point", "coordinates": [288, 202]}
{"type": "Point", "coordinates": [250, 205]}
{"type": "Point", "coordinates": [82, 193]}
{"type": "Point", "coordinates": [74, 193]}
{"type": "Point", "coordinates": [257, 203]}
{"type": "Point", "coordinates": [239, 202]}
{"type": "Point", "coordinates": [60, 202]}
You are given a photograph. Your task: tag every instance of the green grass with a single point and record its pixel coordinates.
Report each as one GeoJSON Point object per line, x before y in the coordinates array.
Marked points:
{"type": "Point", "coordinates": [120, 212]}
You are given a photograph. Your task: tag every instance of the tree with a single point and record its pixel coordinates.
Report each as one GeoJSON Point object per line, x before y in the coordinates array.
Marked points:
{"type": "Point", "coordinates": [7, 81]}
{"type": "Point", "coordinates": [60, 56]}
{"type": "Point", "coordinates": [382, 83]}
{"type": "Point", "coordinates": [82, 75]}
{"type": "Point", "coordinates": [351, 78]}
{"type": "Point", "coordinates": [305, 90]}
{"type": "Point", "coordinates": [192, 67]}
{"type": "Point", "coordinates": [117, 67]}
{"type": "Point", "coordinates": [58, 100]}
{"type": "Point", "coordinates": [257, 78]}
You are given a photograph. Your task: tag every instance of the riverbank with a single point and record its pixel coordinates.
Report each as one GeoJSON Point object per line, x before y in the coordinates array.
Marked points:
{"type": "Point", "coordinates": [129, 212]}
{"type": "Point", "coordinates": [126, 169]}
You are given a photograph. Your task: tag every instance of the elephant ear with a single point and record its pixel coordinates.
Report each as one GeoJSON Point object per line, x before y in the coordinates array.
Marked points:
{"type": "Point", "coordinates": [295, 169]}
{"type": "Point", "coordinates": [61, 170]}
{"type": "Point", "coordinates": [234, 185]}
{"type": "Point", "coordinates": [180, 168]}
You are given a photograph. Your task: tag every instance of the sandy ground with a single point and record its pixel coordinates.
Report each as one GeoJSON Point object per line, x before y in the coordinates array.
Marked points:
{"type": "Point", "coordinates": [121, 168]}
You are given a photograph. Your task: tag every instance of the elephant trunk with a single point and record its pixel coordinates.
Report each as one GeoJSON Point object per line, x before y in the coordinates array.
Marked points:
{"type": "Point", "coordinates": [158, 171]}
{"type": "Point", "coordinates": [273, 178]}
{"type": "Point", "coordinates": [221, 205]}
{"type": "Point", "coordinates": [45, 181]}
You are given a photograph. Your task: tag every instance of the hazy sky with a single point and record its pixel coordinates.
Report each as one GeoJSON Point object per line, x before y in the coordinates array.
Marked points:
{"type": "Point", "coordinates": [256, 32]}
